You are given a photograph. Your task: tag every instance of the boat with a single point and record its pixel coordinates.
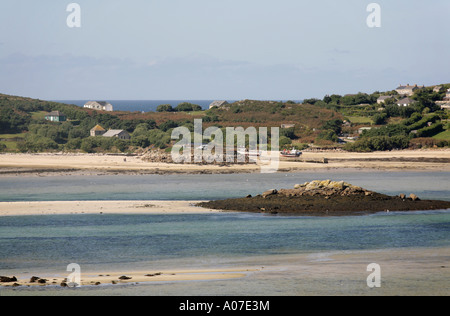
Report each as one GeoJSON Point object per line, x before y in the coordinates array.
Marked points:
{"type": "Point", "coordinates": [250, 153]}
{"type": "Point", "coordinates": [293, 153]}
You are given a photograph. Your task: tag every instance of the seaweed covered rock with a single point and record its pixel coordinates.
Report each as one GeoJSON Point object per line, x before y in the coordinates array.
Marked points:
{"type": "Point", "coordinates": [325, 198]}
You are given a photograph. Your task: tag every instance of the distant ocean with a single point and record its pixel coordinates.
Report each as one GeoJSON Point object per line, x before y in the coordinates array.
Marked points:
{"type": "Point", "coordinates": [145, 105]}
{"type": "Point", "coordinates": [142, 105]}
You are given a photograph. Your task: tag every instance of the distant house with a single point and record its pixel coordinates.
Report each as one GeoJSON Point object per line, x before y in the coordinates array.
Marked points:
{"type": "Point", "coordinates": [405, 102]}
{"type": "Point", "coordinates": [98, 131]}
{"type": "Point", "coordinates": [56, 116]}
{"type": "Point", "coordinates": [382, 99]}
{"type": "Point", "coordinates": [285, 126]}
{"type": "Point", "coordinates": [437, 89]}
{"type": "Point", "coordinates": [447, 96]}
{"type": "Point", "coordinates": [118, 133]}
{"type": "Point", "coordinates": [218, 104]}
{"type": "Point", "coordinates": [99, 105]}
{"type": "Point", "coordinates": [407, 90]}
{"type": "Point", "coordinates": [445, 103]}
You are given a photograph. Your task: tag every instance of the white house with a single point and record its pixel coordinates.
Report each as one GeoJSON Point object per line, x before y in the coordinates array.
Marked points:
{"type": "Point", "coordinates": [99, 105]}
{"type": "Point", "coordinates": [118, 133]}
{"type": "Point", "coordinates": [218, 104]}
{"type": "Point", "coordinates": [382, 99]}
{"type": "Point", "coordinates": [407, 90]}
{"type": "Point", "coordinates": [405, 102]}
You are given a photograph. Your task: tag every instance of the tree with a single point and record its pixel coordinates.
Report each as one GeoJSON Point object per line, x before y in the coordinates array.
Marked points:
{"type": "Point", "coordinates": [380, 119]}
{"type": "Point", "coordinates": [285, 141]}
{"type": "Point", "coordinates": [164, 108]}
{"type": "Point", "coordinates": [288, 132]}
{"type": "Point", "coordinates": [334, 125]}
{"type": "Point", "coordinates": [159, 138]}
{"type": "Point", "coordinates": [188, 107]}
{"type": "Point", "coordinates": [36, 143]}
{"type": "Point", "coordinates": [329, 135]}
{"type": "Point", "coordinates": [168, 125]}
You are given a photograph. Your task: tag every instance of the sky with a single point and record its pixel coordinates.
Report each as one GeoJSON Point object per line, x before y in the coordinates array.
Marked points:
{"type": "Point", "coordinates": [216, 49]}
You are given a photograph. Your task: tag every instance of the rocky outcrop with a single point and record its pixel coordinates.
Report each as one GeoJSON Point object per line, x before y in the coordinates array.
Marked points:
{"type": "Point", "coordinates": [325, 198]}
{"type": "Point", "coordinates": [325, 188]}
{"type": "Point", "coordinates": [269, 193]}
{"type": "Point", "coordinates": [4, 279]}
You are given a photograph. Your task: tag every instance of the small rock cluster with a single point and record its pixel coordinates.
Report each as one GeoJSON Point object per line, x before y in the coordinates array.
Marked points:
{"type": "Point", "coordinates": [157, 156]}
{"type": "Point", "coordinates": [317, 187]}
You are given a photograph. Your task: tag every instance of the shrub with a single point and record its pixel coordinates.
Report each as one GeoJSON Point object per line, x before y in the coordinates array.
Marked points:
{"type": "Point", "coordinates": [328, 135]}
{"type": "Point", "coordinates": [164, 108]}
{"type": "Point", "coordinates": [168, 125]}
{"type": "Point", "coordinates": [288, 132]}
{"type": "Point", "coordinates": [35, 143]}
{"type": "Point", "coordinates": [431, 130]}
{"type": "Point", "coordinates": [188, 107]}
{"type": "Point", "coordinates": [73, 144]}
{"type": "Point", "coordinates": [159, 138]}
{"type": "Point", "coordinates": [285, 141]}
{"type": "Point", "coordinates": [378, 143]}
{"type": "Point", "coordinates": [380, 119]}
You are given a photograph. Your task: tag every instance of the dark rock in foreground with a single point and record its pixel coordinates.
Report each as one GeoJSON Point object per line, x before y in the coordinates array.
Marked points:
{"type": "Point", "coordinates": [325, 198]}
{"type": "Point", "coordinates": [4, 279]}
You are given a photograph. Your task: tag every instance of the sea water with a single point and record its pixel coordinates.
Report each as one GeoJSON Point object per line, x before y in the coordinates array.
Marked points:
{"type": "Point", "coordinates": [47, 244]}
{"type": "Point", "coordinates": [426, 185]}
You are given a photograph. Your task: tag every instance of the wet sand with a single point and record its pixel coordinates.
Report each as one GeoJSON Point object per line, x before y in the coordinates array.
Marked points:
{"type": "Point", "coordinates": [403, 271]}
{"type": "Point", "coordinates": [66, 164]}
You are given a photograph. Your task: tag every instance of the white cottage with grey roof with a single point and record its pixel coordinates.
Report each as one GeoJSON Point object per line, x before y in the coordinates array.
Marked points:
{"type": "Point", "coordinates": [118, 133]}
{"type": "Point", "coordinates": [99, 105]}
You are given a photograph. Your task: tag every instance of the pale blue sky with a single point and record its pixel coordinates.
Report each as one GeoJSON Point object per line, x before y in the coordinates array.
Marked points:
{"type": "Point", "coordinates": [217, 49]}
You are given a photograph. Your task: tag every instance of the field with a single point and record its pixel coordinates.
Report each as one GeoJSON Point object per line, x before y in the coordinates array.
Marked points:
{"type": "Point", "coordinates": [360, 120]}
{"type": "Point", "coordinates": [10, 140]}
{"type": "Point", "coordinates": [443, 136]}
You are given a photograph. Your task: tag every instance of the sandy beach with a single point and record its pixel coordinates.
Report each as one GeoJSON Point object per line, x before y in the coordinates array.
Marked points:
{"type": "Point", "coordinates": [62, 163]}
{"type": "Point", "coordinates": [101, 207]}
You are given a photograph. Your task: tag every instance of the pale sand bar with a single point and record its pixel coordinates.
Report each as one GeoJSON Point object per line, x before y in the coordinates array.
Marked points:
{"type": "Point", "coordinates": [405, 160]}
{"type": "Point", "coordinates": [113, 278]}
{"type": "Point", "coordinates": [404, 271]}
{"type": "Point", "coordinates": [101, 207]}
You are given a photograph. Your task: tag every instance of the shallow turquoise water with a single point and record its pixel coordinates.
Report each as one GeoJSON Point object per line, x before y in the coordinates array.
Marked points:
{"type": "Point", "coordinates": [427, 185]}
{"type": "Point", "coordinates": [47, 244]}
{"type": "Point", "coordinates": [44, 242]}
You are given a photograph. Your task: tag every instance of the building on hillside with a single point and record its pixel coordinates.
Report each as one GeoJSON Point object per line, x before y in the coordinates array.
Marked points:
{"type": "Point", "coordinates": [445, 103]}
{"type": "Point", "coordinates": [437, 89]}
{"type": "Point", "coordinates": [218, 104]}
{"type": "Point", "coordinates": [98, 131]}
{"type": "Point", "coordinates": [406, 102]}
{"type": "Point", "coordinates": [56, 116]}
{"type": "Point", "coordinates": [118, 133]}
{"type": "Point", "coordinates": [285, 126]}
{"type": "Point", "coordinates": [447, 96]}
{"type": "Point", "coordinates": [382, 99]}
{"type": "Point", "coordinates": [99, 105]}
{"type": "Point", "coordinates": [407, 90]}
